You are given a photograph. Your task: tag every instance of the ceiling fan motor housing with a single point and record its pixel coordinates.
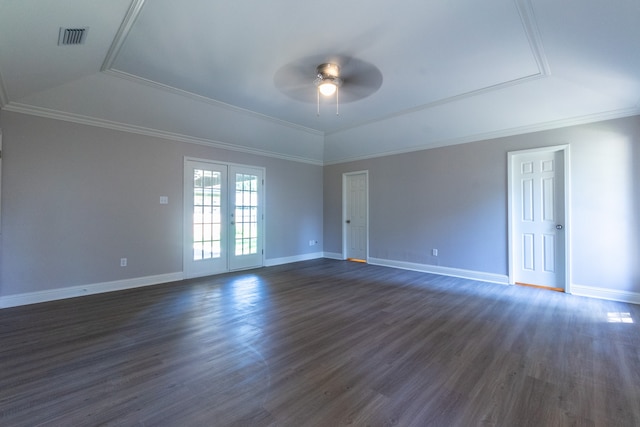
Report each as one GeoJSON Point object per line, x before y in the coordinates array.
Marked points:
{"type": "Point", "coordinates": [328, 70]}
{"type": "Point", "coordinates": [328, 73]}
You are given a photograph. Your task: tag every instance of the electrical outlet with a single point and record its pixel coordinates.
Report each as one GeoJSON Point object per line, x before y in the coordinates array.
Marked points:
{"type": "Point", "coordinates": [164, 200]}
{"type": "Point", "coordinates": [312, 242]}
{"type": "Point", "coordinates": [434, 252]}
{"type": "Point", "coordinates": [123, 262]}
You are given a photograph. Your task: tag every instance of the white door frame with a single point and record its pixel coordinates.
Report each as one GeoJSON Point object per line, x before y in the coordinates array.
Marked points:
{"type": "Point", "coordinates": [565, 148]}
{"type": "Point", "coordinates": [344, 211]}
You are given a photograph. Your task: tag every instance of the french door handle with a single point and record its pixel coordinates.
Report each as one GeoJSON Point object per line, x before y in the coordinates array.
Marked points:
{"type": "Point", "coordinates": [348, 221]}
{"type": "Point", "coordinates": [559, 227]}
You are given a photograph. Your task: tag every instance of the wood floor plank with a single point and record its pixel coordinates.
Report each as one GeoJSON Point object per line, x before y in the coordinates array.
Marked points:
{"type": "Point", "coordinates": [322, 343]}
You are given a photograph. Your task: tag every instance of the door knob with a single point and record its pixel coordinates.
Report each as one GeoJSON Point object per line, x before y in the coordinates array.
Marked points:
{"type": "Point", "coordinates": [559, 227]}
{"type": "Point", "coordinates": [348, 221]}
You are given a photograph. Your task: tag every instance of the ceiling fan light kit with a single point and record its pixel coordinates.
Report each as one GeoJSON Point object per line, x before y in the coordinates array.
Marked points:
{"type": "Point", "coordinates": [327, 88]}
{"type": "Point", "coordinates": [328, 82]}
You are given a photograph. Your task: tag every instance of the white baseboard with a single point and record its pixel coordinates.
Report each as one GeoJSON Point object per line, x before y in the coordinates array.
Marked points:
{"type": "Point", "coordinates": [444, 271]}
{"type": "Point", "coordinates": [118, 285]}
{"type": "Point", "coordinates": [333, 255]}
{"type": "Point", "coordinates": [76, 291]}
{"type": "Point", "coordinates": [287, 260]}
{"type": "Point", "coordinates": [97, 288]}
{"type": "Point", "coordinates": [603, 293]}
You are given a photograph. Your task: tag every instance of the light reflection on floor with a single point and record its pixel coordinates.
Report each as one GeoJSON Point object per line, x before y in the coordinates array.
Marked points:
{"type": "Point", "coordinates": [246, 294]}
{"type": "Point", "coordinates": [619, 317]}
{"type": "Point", "coordinates": [246, 290]}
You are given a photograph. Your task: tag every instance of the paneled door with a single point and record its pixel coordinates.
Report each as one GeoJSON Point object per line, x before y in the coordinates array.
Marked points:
{"type": "Point", "coordinates": [223, 218]}
{"type": "Point", "coordinates": [356, 215]}
{"type": "Point", "coordinates": [538, 240]}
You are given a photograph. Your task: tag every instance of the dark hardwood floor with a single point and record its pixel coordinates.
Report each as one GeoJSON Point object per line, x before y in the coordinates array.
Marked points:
{"type": "Point", "coordinates": [322, 343]}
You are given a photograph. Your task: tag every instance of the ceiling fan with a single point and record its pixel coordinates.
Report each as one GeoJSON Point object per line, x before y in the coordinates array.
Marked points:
{"type": "Point", "coordinates": [308, 79]}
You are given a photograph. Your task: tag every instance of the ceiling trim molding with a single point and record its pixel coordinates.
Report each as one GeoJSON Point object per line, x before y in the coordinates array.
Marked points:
{"type": "Point", "coordinates": [532, 32]}
{"type": "Point", "coordinates": [118, 42]}
{"type": "Point", "coordinates": [127, 23]}
{"type": "Point", "coordinates": [170, 136]}
{"type": "Point", "coordinates": [215, 103]}
{"type": "Point", "coordinates": [521, 130]}
{"type": "Point", "coordinates": [525, 13]}
{"type": "Point", "coordinates": [443, 101]}
{"type": "Point", "coordinates": [90, 121]}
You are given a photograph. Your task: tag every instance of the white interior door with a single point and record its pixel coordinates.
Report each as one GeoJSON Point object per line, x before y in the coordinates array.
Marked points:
{"type": "Point", "coordinates": [356, 215]}
{"type": "Point", "coordinates": [223, 218]}
{"type": "Point", "coordinates": [537, 205]}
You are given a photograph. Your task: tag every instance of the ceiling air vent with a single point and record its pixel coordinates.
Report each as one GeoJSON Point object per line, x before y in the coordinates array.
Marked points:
{"type": "Point", "coordinates": [72, 36]}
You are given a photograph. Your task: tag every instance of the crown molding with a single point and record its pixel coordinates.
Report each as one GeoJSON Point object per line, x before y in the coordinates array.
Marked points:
{"type": "Point", "coordinates": [118, 42]}
{"type": "Point", "coordinates": [213, 102]}
{"type": "Point", "coordinates": [440, 102]}
{"type": "Point", "coordinates": [531, 31]}
{"type": "Point", "coordinates": [127, 23]}
{"type": "Point", "coordinates": [170, 136]}
{"type": "Point", "coordinates": [538, 127]}
{"type": "Point", "coordinates": [527, 19]}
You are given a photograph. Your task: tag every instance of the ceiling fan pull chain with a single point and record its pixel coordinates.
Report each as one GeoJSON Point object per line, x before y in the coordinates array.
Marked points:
{"type": "Point", "coordinates": [337, 101]}
{"type": "Point", "coordinates": [318, 104]}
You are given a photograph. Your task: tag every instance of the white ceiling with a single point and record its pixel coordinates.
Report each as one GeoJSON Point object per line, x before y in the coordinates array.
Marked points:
{"type": "Point", "coordinates": [212, 72]}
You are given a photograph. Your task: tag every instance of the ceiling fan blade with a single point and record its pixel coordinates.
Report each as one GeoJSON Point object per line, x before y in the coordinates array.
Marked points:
{"type": "Point", "coordinates": [361, 79]}
{"type": "Point", "coordinates": [295, 80]}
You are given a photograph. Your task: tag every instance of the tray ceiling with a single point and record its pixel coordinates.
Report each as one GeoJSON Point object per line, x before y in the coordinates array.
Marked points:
{"type": "Point", "coordinates": [213, 71]}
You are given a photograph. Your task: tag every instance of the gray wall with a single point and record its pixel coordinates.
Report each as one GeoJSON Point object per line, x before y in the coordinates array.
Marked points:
{"type": "Point", "coordinates": [455, 199]}
{"type": "Point", "coordinates": [76, 198]}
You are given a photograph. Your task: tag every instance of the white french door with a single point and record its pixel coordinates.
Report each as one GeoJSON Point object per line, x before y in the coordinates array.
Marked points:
{"type": "Point", "coordinates": [538, 218]}
{"type": "Point", "coordinates": [223, 218]}
{"type": "Point", "coordinates": [246, 234]}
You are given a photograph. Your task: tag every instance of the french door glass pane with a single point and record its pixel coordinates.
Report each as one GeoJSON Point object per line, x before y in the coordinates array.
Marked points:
{"type": "Point", "coordinates": [246, 219]}
{"type": "Point", "coordinates": [206, 214]}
